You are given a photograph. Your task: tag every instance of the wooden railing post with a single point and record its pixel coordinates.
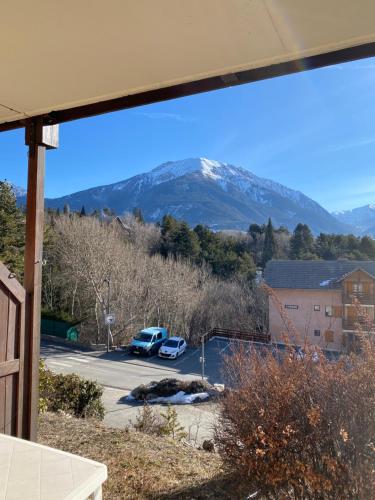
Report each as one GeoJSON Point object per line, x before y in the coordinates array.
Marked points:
{"type": "Point", "coordinates": [38, 138]}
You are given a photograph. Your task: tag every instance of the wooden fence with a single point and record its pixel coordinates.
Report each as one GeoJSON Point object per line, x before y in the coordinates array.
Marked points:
{"type": "Point", "coordinates": [12, 323]}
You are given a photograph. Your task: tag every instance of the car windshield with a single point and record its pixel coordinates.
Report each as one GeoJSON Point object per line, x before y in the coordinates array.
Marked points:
{"type": "Point", "coordinates": [171, 343]}
{"type": "Point", "coordinates": [144, 337]}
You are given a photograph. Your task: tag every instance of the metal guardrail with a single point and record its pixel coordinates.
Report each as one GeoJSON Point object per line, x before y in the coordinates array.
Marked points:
{"type": "Point", "coordinates": [237, 335]}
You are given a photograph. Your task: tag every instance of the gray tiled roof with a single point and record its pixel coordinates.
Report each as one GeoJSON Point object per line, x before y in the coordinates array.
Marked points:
{"type": "Point", "coordinates": [312, 274]}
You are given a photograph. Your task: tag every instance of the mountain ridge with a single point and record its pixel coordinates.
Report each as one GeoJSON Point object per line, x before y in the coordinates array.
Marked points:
{"type": "Point", "coordinates": [362, 218]}
{"type": "Point", "coordinates": [199, 190]}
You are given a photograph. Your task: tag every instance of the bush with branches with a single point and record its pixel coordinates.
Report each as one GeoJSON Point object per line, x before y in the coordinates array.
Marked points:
{"type": "Point", "coordinates": [164, 424]}
{"type": "Point", "coordinates": [300, 426]}
{"type": "Point", "coordinates": [70, 394]}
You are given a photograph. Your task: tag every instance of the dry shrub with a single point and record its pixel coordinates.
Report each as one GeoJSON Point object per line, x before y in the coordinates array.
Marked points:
{"type": "Point", "coordinates": [167, 424]}
{"type": "Point", "coordinates": [70, 394]}
{"type": "Point", "coordinates": [148, 421]}
{"type": "Point", "coordinates": [300, 428]}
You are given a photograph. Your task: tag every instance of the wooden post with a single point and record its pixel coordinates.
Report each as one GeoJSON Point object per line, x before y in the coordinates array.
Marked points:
{"type": "Point", "coordinates": [37, 140]}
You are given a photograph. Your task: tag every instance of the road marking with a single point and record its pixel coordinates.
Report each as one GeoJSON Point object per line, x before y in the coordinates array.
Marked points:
{"type": "Point", "coordinates": [186, 357]}
{"type": "Point", "coordinates": [116, 389]}
{"type": "Point", "coordinates": [58, 363]}
{"type": "Point", "coordinates": [80, 360]}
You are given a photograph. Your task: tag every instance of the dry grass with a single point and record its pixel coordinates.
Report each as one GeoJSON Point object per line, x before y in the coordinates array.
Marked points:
{"type": "Point", "coordinates": [139, 466]}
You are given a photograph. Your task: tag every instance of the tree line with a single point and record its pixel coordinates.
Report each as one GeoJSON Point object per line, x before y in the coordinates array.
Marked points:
{"type": "Point", "coordinates": [270, 243]}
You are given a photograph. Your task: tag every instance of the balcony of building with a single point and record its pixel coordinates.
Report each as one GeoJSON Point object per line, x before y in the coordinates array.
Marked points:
{"type": "Point", "coordinates": [364, 298]}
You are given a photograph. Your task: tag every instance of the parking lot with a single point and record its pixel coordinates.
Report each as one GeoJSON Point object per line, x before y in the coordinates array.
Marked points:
{"type": "Point", "coordinates": [125, 371]}
{"type": "Point", "coordinates": [120, 372]}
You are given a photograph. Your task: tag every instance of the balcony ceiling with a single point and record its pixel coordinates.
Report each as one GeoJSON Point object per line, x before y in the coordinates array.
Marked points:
{"type": "Point", "coordinates": [56, 55]}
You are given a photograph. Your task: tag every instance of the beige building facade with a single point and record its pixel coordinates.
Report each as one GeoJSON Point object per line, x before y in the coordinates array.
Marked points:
{"type": "Point", "coordinates": [323, 303]}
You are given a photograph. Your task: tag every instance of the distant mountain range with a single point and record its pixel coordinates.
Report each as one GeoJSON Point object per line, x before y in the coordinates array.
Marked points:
{"type": "Point", "coordinates": [361, 218]}
{"type": "Point", "coordinates": [199, 190]}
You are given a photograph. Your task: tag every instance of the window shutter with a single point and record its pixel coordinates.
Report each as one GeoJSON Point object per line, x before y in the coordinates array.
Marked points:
{"type": "Point", "coordinates": [329, 335]}
{"type": "Point", "coordinates": [337, 311]}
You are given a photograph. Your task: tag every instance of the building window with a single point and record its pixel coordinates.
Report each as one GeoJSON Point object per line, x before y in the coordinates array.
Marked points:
{"type": "Point", "coordinates": [316, 308]}
{"type": "Point", "coordinates": [290, 306]}
{"type": "Point", "coordinates": [316, 333]}
{"type": "Point", "coordinates": [328, 335]}
{"type": "Point", "coordinates": [328, 310]}
{"type": "Point", "coordinates": [358, 287]}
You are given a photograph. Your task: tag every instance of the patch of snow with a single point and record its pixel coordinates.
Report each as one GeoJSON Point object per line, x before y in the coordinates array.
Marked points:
{"type": "Point", "coordinates": [156, 214]}
{"type": "Point", "coordinates": [181, 398]}
{"type": "Point", "coordinates": [119, 186]}
{"type": "Point", "coordinates": [324, 283]}
{"type": "Point", "coordinates": [18, 191]}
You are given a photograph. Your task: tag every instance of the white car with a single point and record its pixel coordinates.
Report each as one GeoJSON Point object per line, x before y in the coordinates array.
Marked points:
{"type": "Point", "coordinates": [172, 348]}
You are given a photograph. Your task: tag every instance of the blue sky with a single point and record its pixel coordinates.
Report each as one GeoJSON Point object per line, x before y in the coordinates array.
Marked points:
{"type": "Point", "coordinates": [312, 131]}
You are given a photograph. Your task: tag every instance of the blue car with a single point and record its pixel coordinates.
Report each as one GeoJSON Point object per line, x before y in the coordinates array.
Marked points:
{"type": "Point", "coordinates": [149, 340]}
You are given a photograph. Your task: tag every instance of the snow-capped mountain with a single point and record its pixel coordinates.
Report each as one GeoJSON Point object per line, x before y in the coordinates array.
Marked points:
{"type": "Point", "coordinates": [362, 218]}
{"type": "Point", "coordinates": [18, 191]}
{"type": "Point", "coordinates": [199, 190]}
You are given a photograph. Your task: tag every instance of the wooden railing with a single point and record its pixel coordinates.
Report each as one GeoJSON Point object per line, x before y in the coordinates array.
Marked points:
{"type": "Point", "coordinates": [264, 338]}
{"type": "Point", "coordinates": [352, 324]}
{"type": "Point", "coordinates": [363, 298]}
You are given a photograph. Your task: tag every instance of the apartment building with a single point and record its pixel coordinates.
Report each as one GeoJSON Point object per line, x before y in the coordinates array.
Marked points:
{"type": "Point", "coordinates": [318, 298]}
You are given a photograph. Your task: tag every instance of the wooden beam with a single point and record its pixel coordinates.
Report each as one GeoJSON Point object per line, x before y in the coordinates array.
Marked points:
{"type": "Point", "coordinates": [204, 85]}
{"type": "Point", "coordinates": [33, 274]}
{"type": "Point", "coordinates": [9, 367]}
{"type": "Point", "coordinates": [47, 135]}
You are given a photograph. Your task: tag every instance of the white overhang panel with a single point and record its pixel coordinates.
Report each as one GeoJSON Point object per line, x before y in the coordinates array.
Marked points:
{"type": "Point", "coordinates": [56, 55]}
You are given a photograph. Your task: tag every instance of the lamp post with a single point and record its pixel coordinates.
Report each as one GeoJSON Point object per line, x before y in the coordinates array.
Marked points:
{"type": "Point", "coordinates": [108, 281]}
{"type": "Point", "coordinates": [203, 360]}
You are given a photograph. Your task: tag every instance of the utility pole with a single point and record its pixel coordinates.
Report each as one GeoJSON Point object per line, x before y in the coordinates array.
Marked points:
{"type": "Point", "coordinates": [202, 356]}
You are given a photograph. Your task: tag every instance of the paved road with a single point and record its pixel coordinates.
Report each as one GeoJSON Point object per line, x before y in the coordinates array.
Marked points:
{"type": "Point", "coordinates": [119, 373]}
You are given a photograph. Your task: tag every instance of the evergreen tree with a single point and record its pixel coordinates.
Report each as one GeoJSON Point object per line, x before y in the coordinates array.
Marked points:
{"type": "Point", "coordinates": [367, 247]}
{"type": "Point", "coordinates": [138, 215]}
{"type": "Point", "coordinates": [269, 247]}
{"type": "Point", "coordinates": [108, 212]}
{"type": "Point", "coordinates": [255, 231]}
{"type": "Point", "coordinates": [210, 244]}
{"type": "Point", "coordinates": [82, 212]}
{"type": "Point", "coordinates": [12, 230]}
{"type": "Point", "coordinates": [302, 243]}
{"type": "Point", "coordinates": [185, 242]}
{"type": "Point", "coordinates": [168, 224]}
